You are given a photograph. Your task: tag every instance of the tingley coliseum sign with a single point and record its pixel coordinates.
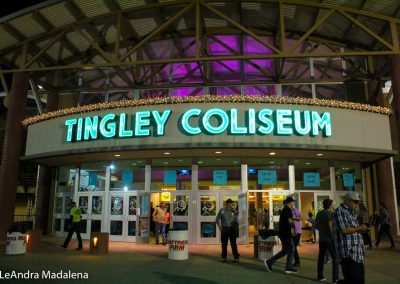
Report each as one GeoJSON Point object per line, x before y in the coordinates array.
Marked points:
{"type": "Point", "coordinates": [195, 121]}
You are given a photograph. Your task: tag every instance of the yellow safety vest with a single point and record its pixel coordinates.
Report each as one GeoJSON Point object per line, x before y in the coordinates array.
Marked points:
{"type": "Point", "coordinates": [76, 214]}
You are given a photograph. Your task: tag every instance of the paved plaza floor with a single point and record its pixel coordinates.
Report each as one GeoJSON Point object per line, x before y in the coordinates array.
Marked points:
{"type": "Point", "coordinates": [146, 263]}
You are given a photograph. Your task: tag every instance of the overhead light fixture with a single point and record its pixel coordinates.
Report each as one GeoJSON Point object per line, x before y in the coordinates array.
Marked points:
{"type": "Point", "coordinates": [218, 152]}
{"type": "Point", "coordinates": [112, 167]}
{"type": "Point", "coordinates": [218, 159]}
{"type": "Point", "coordinates": [180, 160]}
{"type": "Point", "coordinates": [133, 164]}
{"type": "Point", "coordinates": [320, 154]}
{"type": "Point", "coordinates": [125, 188]}
{"type": "Point", "coordinates": [167, 153]}
{"type": "Point", "coordinates": [272, 153]}
{"type": "Point", "coordinates": [117, 155]}
{"type": "Point", "coordinates": [200, 162]}
{"type": "Point", "coordinates": [308, 163]}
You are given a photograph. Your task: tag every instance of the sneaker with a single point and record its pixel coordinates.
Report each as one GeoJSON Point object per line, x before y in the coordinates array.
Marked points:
{"type": "Point", "coordinates": [296, 264]}
{"type": "Point", "coordinates": [335, 281]}
{"type": "Point", "coordinates": [328, 261]}
{"type": "Point", "coordinates": [236, 260]}
{"type": "Point", "coordinates": [63, 246]}
{"type": "Point", "coordinates": [322, 279]}
{"type": "Point", "coordinates": [268, 265]}
{"type": "Point", "coordinates": [223, 259]}
{"type": "Point", "coordinates": [78, 249]}
{"type": "Point", "coordinates": [392, 247]}
{"type": "Point", "coordinates": [290, 271]}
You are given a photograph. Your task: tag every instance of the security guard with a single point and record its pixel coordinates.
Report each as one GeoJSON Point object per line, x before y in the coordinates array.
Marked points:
{"type": "Point", "coordinates": [74, 226]}
{"type": "Point", "coordinates": [227, 221]}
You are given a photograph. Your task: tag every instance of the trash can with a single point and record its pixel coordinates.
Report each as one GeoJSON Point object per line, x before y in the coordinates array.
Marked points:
{"type": "Point", "coordinates": [178, 245]}
{"type": "Point", "coordinates": [267, 247]}
{"type": "Point", "coordinates": [15, 243]}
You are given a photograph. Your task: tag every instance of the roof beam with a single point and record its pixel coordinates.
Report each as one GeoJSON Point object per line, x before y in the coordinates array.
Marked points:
{"type": "Point", "coordinates": [242, 28]}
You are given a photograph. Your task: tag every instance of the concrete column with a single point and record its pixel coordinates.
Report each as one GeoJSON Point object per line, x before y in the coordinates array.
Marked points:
{"type": "Point", "coordinates": [244, 177]}
{"type": "Point", "coordinates": [387, 192]}
{"type": "Point", "coordinates": [12, 150]}
{"type": "Point", "coordinates": [292, 180]}
{"type": "Point", "coordinates": [43, 187]}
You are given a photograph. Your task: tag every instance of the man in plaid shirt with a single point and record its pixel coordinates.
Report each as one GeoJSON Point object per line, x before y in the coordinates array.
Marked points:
{"type": "Point", "coordinates": [348, 240]}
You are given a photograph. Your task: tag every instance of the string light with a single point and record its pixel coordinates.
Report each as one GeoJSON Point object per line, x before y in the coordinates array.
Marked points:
{"type": "Point", "coordinates": [206, 99]}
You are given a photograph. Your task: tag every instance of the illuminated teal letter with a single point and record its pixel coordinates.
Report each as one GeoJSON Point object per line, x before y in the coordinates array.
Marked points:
{"type": "Point", "coordinates": [91, 128]}
{"type": "Point", "coordinates": [142, 119]}
{"type": "Point", "coordinates": [298, 122]}
{"type": "Point", "coordinates": [70, 123]}
{"type": "Point", "coordinates": [235, 129]}
{"type": "Point", "coordinates": [269, 124]}
{"type": "Point", "coordinates": [185, 121]}
{"type": "Point", "coordinates": [222, 116]}
{"type": "Point", "coordinates": [107, 130]}
{"type": "Point", "coordinates": [281, 121]}
{"type": "Point", "coordinates": [161, 120]}
{"type": "Point", "coordinates": [79, 130]}
{"type": "Point", "coordinates": [122, 124]}
{"type": "Point", "coordinates": [323, 123]}
{"type": "Point", "coordinates": [252, 121]}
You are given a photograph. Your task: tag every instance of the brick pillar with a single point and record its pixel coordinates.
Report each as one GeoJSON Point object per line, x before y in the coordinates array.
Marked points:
{"type": "Point", "coordinates": [386, 192]}
{"type": "Point", "coordinates": [43, 191]}
{"type": "Point", "coordinates": [12, 150]}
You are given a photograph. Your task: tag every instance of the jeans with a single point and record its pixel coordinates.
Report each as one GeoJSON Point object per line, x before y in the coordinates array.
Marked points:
{"type": "Point", "coordinates": [296, 240]}
{"type": "Point", "coordinates": [75, 227]}
{"type": "Point", "coordinates": [229, 233]}
{"type": "Point", "coordinates": [385, 229]}
{"type": "Point", "coordinates": [160, 228]}
{"type": "Point", "coordinates": [353, 272]}
{"type": "Point", "coordinates": [325, 246]}
{"type": "Point", "coordinates": [287, 249]}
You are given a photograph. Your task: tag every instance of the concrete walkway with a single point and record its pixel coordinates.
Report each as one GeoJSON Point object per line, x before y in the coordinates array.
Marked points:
{"type": "Point", "coordinates": [137, 263]}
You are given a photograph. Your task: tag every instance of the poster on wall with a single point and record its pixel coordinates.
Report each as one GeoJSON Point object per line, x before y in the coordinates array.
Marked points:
{"type": "Point", "coordinates": [267, 177]}
{"type": "Point", "coordinates": [181, 205]}
{"type": "Point", "coordinates": [169, 177]}
{"type": "Point", "coordinates": [97, 205]}
{"type": "Point", "coordinates": [311, 179]}
{"type": "Point", "coordinates": [208, 206]}
{"type": "Point", "coordinates": [220, 177]}
{"type": "Point", "coordinates": [84, 204]}
{"type": "Point", "coordinates": [92, 179]}
{"type": "Point", "coordinates": [127, 178]}
{"type": "Point", "coordinates": [132, 205]}
{"type": "Point", "coordinates": [58, 205]}
{"type": "Point", "coordinates": [348, 180]}
{"type": "Point", "coordinates": [117, 205]}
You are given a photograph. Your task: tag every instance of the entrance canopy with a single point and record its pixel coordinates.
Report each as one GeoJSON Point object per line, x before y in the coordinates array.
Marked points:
{"type": "Point", "coordinates": [139, 49]}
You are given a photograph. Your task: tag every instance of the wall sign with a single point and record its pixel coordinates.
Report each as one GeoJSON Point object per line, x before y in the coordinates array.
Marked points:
{"type": "Point", "coordinates": [311, 179]}
{"type": "Point", "coordinates": [169, 177]}
{"type": "Point", "coordinates": [195, 121]}
{"type": "Point", "coordinates": [267, 177]}
{"type": "Point", "coordinates": [348, 180]}
{"type": "Point", "coordinates": [220, 177]}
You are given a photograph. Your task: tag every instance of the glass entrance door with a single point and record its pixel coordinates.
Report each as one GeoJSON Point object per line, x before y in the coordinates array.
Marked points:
{"type": "Point", "coordinates": [180, 211]}
{"type": "Point", "coordinates": [122, 216]}
{"type": "Point", "coordinates": [91, 205]}
{"type": "Point", "coordinates": [209, 205]}
{"type": "Point", "coordinates": [276, 206]}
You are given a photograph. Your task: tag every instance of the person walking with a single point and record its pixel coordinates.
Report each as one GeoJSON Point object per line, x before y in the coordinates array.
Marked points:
{"type": "Point", "coordinates": [363, 218]}
{"type": "Point", "coordinates": [227, 222]}
{"type": "Point", "coordinates": [285, 233]}
{"type": "Point", "coordinates": [348, 239]}
{"type": "Point", "coordinates": [324, 226]}
{"type": "Point", "coordinates": [158, 218]}
{"type": "Point", "coordinates": [297, 234]}
{"type": "Point", "coordinates": [167, 222]}
{"type": "Point", "coordinates": [384, 225]}
{"type": "Point", "coordinates": [74, 226]}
